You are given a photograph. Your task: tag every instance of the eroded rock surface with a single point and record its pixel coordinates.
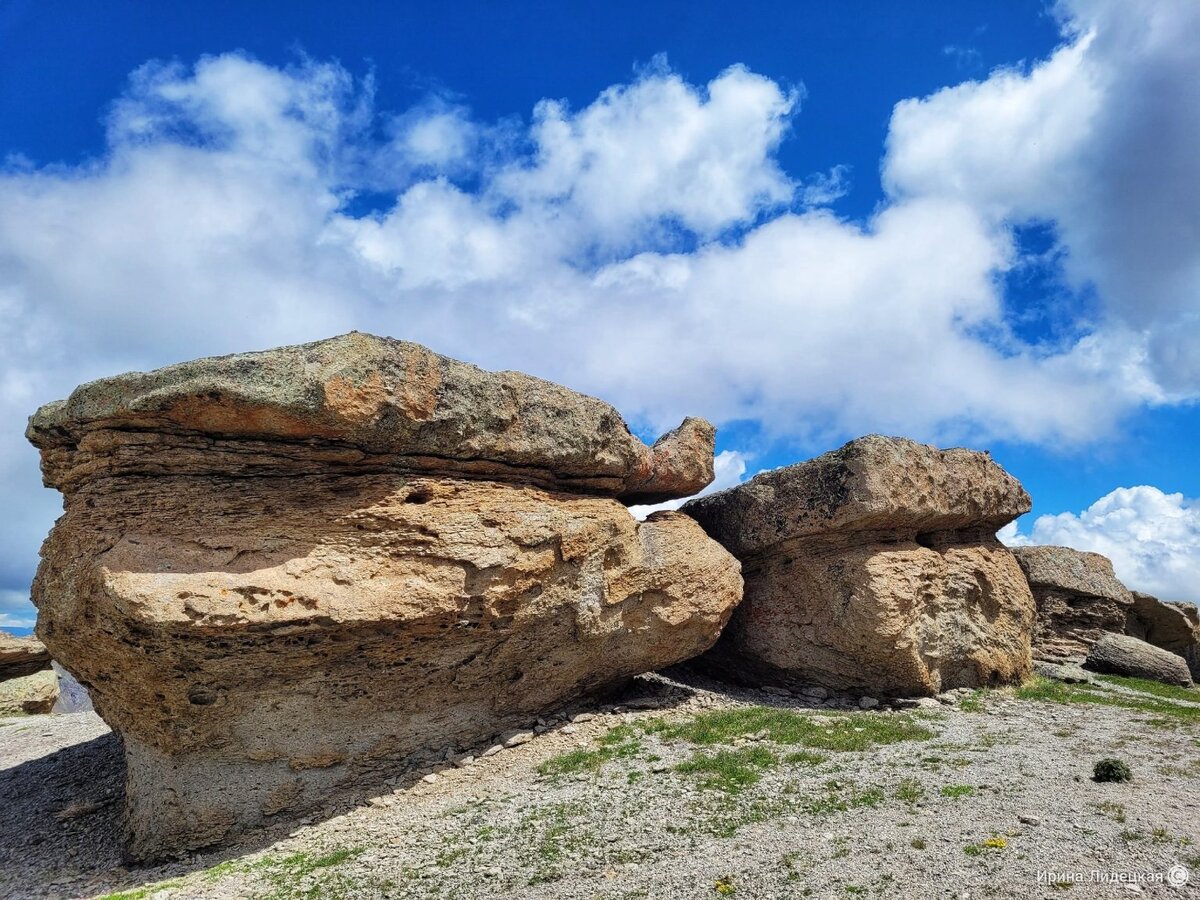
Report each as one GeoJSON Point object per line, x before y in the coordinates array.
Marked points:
{"type": "Point", "coordinates": [1078, 600]}
{"type": "Point", "coordinates": [21, 656]}
{"type": "Point", "coordinates": [1171, 626]}
{"type": "Point", "coordinates": [875, 567]}
{"type": "Point", "coordinates": [29, 694]}
{"type": "Point", "coordinates": [264, 643]}
{"type": "Point", "coordinates": [361, 403]}
{"type": "Point", "coordinates": [1120, 654]}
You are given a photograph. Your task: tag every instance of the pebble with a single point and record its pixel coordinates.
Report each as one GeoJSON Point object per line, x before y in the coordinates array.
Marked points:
{"type": "Point", "coordinates": [568, 729]}
{"type": "Point", "coordinates": [583, 717]}
{"type": "Point", "coordinates": [492, 750]}
{"type": "Point", "coordinates": [1029, 820]}
{"type": "Point", "coordinates": [867, 703]}
{"type": "Point", "coordinates": [516, 738]}
{"type": "Point", "coordinates": [431, 778]}
{"type": "Point", "coordinates": [462, 762]}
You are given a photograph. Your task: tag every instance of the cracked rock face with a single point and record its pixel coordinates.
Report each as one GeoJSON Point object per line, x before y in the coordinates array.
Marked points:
{"type": "Point", "coordinates": [295, 629]}
{"type": "Point", "coordinates": [875, 568]}
{"type": "Point", "coordinates": [1078, 600]}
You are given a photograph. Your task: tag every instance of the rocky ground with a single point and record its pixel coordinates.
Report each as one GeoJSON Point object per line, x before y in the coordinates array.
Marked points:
{"type": "Point", "coordinates": [684, 788]}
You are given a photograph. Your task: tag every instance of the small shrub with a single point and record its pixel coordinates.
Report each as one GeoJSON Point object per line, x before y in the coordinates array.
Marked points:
{"type": "Point", "coordinates": [1111, 770]}
{"type": "Point", "coordinates": [724, 886]}
{"type": "Point", "coordinates": [954, 791]}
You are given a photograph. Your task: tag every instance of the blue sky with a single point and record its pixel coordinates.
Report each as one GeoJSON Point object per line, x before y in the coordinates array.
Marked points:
{"type": "Point", "coordinates": [970, 223]}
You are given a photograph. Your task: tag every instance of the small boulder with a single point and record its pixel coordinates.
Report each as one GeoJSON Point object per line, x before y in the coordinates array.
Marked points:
{"type": "Point", "coordinates": [1120, 654]}
{"type": "Point", "coordinates": [30, 694]}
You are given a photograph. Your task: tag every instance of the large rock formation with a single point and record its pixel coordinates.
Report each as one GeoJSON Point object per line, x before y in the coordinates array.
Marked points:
{"type": "Point", "coordinates": [1078, 599]}
{"type": "Point", "coordinates": [875, 567]}
{"type": "Point", "coordinates": [21, 656]}
{"type": "Point", "coordinates": [1120, 654]}
{"type": "Point", "coordinates": [283, 575]}
{"type": "Point", "coordinates": [1171, 626]}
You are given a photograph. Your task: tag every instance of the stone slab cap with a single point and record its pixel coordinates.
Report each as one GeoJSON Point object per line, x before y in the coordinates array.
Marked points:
{"type": "Point", "coordinates": [361, 402]}
{"type": "Point", "coordinates": [1076, 571]}
{"type": "Point", "coordinates": [873, 483]}
{"type": "Point", "coordinates": [21, 656]}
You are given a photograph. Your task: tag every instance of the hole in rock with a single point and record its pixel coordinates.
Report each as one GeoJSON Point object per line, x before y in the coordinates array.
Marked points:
{"type": "Point", "coordinates": [201, 696]}
{"type": "Point", "coordinates": [418, 496]}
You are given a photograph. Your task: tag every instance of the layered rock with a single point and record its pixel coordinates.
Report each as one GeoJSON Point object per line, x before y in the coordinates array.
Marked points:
{"type": "Point", "coordinates": [1078, 600]}
{"type": "Point", "coordinates": [1120, 654]}
{"type": "Point", "coordinates": [284, 576]}
{"type": "Point", "coordinates": [1171, 626]}
{"type": "Point", "coordinates": [360, 403]}
{"type": "Point", "coordinates": [876, 568]}
{"type": "Point", "coordinates": [21, 656]}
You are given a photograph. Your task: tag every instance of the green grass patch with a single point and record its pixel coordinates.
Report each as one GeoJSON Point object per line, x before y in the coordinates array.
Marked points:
{"type": "Point", "coordinates": [731, 771]}
{"type": "Point", "coordinates": [1160, 704]}
{"type": "Point", "coordinates": [619, 742]}
{"type": "Point", "coordinates": [1154, 688]}
{"type": "Point", "coordinates": [805, 758]}
{"type": "Point", "coordinates": [972, 703]}
{"type": "Point", "coordinates": [955, 791]}
{"type": "Point", "coordinates": [910, 790]}
{"type": "Point", "coordinates": [306, 876]}
{"type": "Point", "coordinates": [853, 731]}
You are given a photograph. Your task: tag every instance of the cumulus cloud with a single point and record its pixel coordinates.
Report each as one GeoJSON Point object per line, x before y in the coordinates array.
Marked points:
{"type": "Point", "coordinates": [15, 609]}
{"type": "Point", "coordinates": [1152, 538]}
{"type": "Point", "coordinates": [1100, 140]}
{"type": "Point", "coordinates": [729, 470]}
{"type": "Point", "coordinates": [646, 247]}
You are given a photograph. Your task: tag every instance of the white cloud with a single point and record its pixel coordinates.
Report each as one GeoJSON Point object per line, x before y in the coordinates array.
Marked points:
{"type": "Point", "coordinates": [1100, 140]}
{"type": "Point", "coordinates": [1152, 538]}
{"type": "Point", "coordinates": [15, 609]}
{"type": "Point", "coordinates": [729, 470]}
{"type": "Point", "coordinates": [647, 247]}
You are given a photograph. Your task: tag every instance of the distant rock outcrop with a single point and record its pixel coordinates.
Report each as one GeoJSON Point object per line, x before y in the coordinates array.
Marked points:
{"type": "Point", "coordinates": [1120, 654]}
{"type": "Point", "coordinates": [21, 656]}
{"type": "Point", "coordinates": [442, 561]}
{"type": "Point", "coordinates": [1171, 626]}
{"type": "Point", "coordinates": [29, 694]}
{"type": "Point", "coordinates": [1078, 600]}
{"type": "Point", "coordinates": [875, 567]}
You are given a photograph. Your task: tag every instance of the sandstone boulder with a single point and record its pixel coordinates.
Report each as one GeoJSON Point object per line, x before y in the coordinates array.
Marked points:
{"type": "Point", "coordinates": [1120, 654]}
{"type": "Point", "coordinates": [1078, 600]}
{"type": "Point", "coordinates": [1166, 625]}
{"type": "Point", "coordinates": [875, 568]}
{"type": "Point", "coordinates": [361, 403]}
{"type": "Point", "coordinates": [266, 643]}
{"type": "Point", "coordinates": [29, 694]}
{"type": "Point", "coordinates": [21, 656]}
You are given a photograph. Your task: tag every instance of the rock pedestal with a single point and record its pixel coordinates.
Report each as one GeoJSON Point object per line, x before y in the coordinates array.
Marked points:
{"type": "Point", "coordinates": [875, 568]}
{"type": "Point", "coordinates": [1078, 600]}
{"type": "Point", "coordinates": [284, 576]}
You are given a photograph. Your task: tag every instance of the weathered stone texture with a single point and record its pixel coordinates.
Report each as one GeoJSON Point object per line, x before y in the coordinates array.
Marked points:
{"type": "Point", "coordinates": [875, 567]}
{"type": "Point", "coordinates": [360, 403]}
{"type": "Point", "coordinates": [21, 656]}
{"type": "Point", "coordinates": [1172, 626]}
{"type": "Point", "coordinates": [264, 643]}
{"type": "Point", "coordinates": [1078, 599]}
{"type": "Point", "coordinates": [1120, 654]}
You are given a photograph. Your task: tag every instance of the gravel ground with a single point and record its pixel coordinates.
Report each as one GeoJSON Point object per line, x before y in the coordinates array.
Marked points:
{"type": "Point", "coordinates": [977, 799]}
